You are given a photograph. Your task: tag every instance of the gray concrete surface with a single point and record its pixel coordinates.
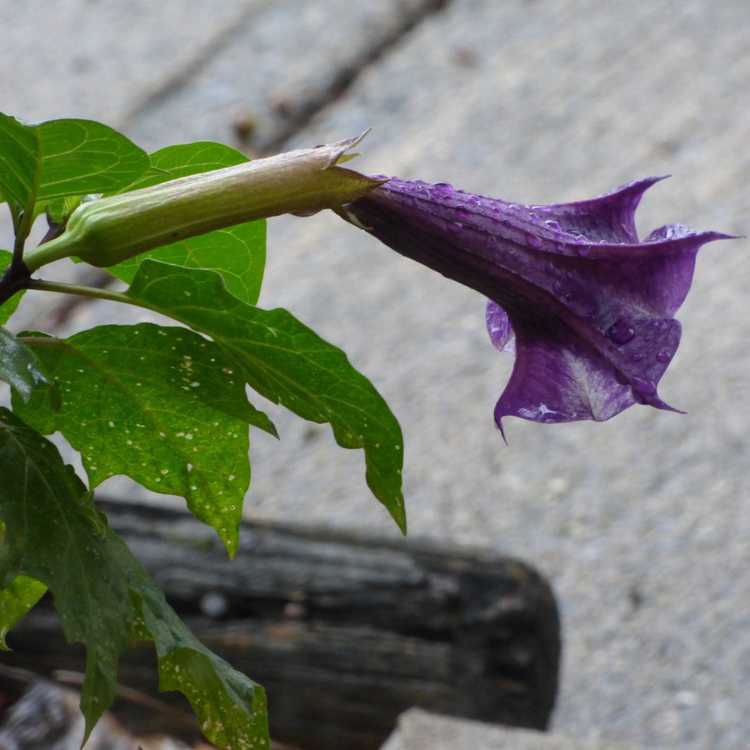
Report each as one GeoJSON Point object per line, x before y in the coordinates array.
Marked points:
{"type": "Point", "coordinates": [419, 730]}
{"type": "Point", "coordinates": [640, 522]}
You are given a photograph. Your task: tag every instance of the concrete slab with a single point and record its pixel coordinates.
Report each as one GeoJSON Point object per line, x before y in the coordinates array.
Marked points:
{"type": "Point", "coordinates": [419, 730]}
{"type": "Point", "coordinates": [78, 58]}
{"type": "Point", "coordinates": [273, 74]}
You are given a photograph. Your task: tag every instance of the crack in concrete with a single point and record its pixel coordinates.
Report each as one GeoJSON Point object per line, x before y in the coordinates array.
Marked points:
{"type": "Point", "coordinates": [182, 77]}
{"type": "Point", "coordinates": [348, 75]}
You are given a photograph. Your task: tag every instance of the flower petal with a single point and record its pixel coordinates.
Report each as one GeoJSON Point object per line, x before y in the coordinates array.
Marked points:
{"type": "Point", "coordinates": [609, 217]}
{"type": "Point", "coordinates": [558, 377]}
{"type": "Point", "coordinates": [591, 307]}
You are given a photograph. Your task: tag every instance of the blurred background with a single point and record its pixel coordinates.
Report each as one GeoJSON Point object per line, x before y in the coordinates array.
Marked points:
{"type": "Point", "coordinates": [640, 523]}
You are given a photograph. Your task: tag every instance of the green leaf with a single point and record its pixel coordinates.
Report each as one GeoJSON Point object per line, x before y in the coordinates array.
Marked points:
{"type": "Point", "coordinates": [103, 595]}
{"type": "Point", "coordinates": [60, 158]}
{"type": "Point", "coordinates": [58, 538]}
{"type": "Point", "coordinates": [237, 253]}
{"type": "Point", "coordinates": [83, 156]}
{"type": "Point", "coordinates": [58, 210]}
{"type": "Point", "coordinates": [155, 403]}
{"type": "Point", "coordinates": [289, 364]}
{"type": "Point", "coordinates": [19, 366]}
{"type": "Point", "coordinates": [231, 708]}
{"type": "Point", "coordinates": [16, 599]}
{"type": "Point", "coordinates": [185, 159]}
{"type": "Point", "coordinates": [9, 306]}
{"type": "Point", "coordinates": [19, 158]}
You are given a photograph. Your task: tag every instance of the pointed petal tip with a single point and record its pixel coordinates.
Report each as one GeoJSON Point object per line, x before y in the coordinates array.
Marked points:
{"type": "Point", "coordinates": [646, 182]}
{"type": "Point", "coordinates": [664, 406]}
{"type": "Point", "coordinates": [725, 236]}
{"type": "Point", "coordinates": [499, 425]}
{"type": "Point", "coordinates": [645, 393]}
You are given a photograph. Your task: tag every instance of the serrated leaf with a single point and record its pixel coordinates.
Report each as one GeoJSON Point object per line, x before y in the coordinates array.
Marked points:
{"type": "Point", "coordinates": [231, 708]}
{"type": "Point", "coordinates": [289, 364]}
{"type": "Point", "coordinates": [60, 158]}
{"type": "Point", "coordinates": [9, 306]}
{"type": "Point", "coordinates": [16, 599]}
{"type": "Point", "coordinates": [103, 595]}
{"type": "Point", "coordinates": [58, 538]}
{"type": "Point", "coordinates": [19, 366]}
{"type": "Point", "coordinates": [238, 253]}
{"type": "Point", "coordinates": [154, 403]}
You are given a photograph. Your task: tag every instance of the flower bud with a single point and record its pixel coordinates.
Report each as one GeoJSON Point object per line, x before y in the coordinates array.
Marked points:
{"type": "Point", "coordinates": [107, 231]}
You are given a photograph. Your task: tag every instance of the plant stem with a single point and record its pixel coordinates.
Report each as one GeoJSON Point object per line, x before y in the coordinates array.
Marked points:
{"type": "Point", "coordinates": [15, 279]}
{"type": "Point", "coordinates": [18, 250]}
{"type": "Point", "coordinates": [85, 291]}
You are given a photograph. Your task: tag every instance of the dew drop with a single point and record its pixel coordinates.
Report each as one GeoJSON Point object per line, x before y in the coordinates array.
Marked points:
{"type": "Point", "coordinates": [620, 332]}
{"type": "Point", "coordinates": [533, 241]}
{"type": "Point", "coordinates": [552, 224]}
{"type": "Point", "coordinates": [664, 356]}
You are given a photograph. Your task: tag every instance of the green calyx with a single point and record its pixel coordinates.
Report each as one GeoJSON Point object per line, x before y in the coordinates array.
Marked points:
{"type": "Point", "coordinates": [107, 231]}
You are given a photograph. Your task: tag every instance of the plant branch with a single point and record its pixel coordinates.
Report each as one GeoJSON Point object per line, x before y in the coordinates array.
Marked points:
{"type": "Point", "coordinates": [85, 291]}
{"type": "Point", "coordinates": [15, 279]}
{"type": "Point", "coordinates": [18, 246]}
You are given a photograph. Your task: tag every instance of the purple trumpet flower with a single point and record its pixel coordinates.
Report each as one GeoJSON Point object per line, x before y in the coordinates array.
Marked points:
{"type": "Point", "coordinates": [586, 305]}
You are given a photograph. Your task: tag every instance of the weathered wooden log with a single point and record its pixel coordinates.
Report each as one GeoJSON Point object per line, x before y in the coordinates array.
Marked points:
{"type": "Point", "coordinates": [345, 632]}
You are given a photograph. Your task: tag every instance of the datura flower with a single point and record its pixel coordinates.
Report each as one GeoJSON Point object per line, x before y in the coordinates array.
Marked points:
{"type": "Point", "coordinates": [586, 306]}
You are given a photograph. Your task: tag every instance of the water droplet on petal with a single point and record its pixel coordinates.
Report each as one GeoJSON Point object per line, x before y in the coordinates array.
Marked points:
{"type": "Point", "coordinates": [533, 241]}
{"type": "Point", "coordinates": [620, 332]}
{"type": "Point", "coordinates": [664, 356]}
{"type": "Point", "coordinates": [552, 224]}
